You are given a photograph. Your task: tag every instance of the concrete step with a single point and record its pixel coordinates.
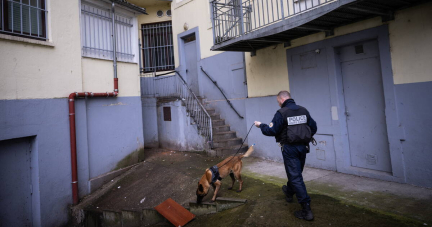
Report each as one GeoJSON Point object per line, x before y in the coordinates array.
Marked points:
{"type": "Point", "coordinates": [215, 116]}
{"type": "Point", "coordinates": [218, 122]}
{"type": "Point", "coordinates": [219, 205]}
{"type": "Point", "coordinates": [221, 128]}
{"type": "Point", "coordinates": [224, 135]}
{"type": "Point", "coordinates": [227, 142]}
{"type": "Point", "coordinates": [228, 151]}
{"type": "Point", "coordinates": [211, 111]}
{"type": "Point", "coordinates": [125, 218]}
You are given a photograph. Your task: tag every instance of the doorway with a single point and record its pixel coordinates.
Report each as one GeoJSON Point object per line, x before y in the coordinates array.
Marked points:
{"type": "Point", "coordinates": [365, 106]}
{"type": "Point", "coordinates": [190, 53]}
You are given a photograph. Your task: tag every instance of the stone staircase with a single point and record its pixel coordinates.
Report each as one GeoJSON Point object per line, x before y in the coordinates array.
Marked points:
{"type": "Point", "coordinates": [225, 141]}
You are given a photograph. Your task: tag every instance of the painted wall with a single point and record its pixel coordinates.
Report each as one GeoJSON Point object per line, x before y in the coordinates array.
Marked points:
{"type": "Point", "coordinates": [414, 116]}
{"type": "Point", "coordinates": [46, 120]}
{"type": "Point", "coordinates": [227, 69]}
{"type": "Point", "coordinates": [410, 53]}
{"type": "Point", "coordinates": [150, 122]}
{"type": "Point", "coordinates": [179, 133]}
{"type": "Point", "coordinates": [30, 71]}
{"type": "Point", "coordinates": [200, 18]}
{"type": "Point", "coordinates": [98, 76]}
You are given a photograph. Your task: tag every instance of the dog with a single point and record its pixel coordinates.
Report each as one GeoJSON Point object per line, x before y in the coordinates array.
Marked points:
{"type": "Point", "coordinates": [230, 166]}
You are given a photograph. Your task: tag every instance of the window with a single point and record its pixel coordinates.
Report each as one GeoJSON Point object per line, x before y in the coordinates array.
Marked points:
{"type": "Point", "coordinates": [96, 30]}
{"type": "Point", "coordinates": [157, 47]}
{"type": "Point", "coordinates": [25, 18]}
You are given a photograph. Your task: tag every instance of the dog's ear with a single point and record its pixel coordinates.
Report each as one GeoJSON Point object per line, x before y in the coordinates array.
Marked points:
{"type": "Point", "coordinates": [200, 188]}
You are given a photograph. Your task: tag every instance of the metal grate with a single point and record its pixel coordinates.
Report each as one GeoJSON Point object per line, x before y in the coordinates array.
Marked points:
{"type": "Point", "coordinates": [25, 18]}
{"type": "Point", "coordinates": [96, 30]}
{"type": "Point", "coordinates": [157, 47]}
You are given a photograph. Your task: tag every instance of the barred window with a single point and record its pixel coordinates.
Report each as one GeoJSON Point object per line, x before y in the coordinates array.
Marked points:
{"type": "Point", "coordinates": [157, 47]}
{"type": "Point", "coordinates": [96, 30]}
{"type": "Point", "coordinates": [25, 18]}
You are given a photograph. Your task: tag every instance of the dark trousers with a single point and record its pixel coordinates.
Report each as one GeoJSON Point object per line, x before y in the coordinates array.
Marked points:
{"type": "Point", "coordinates": [294, 157]}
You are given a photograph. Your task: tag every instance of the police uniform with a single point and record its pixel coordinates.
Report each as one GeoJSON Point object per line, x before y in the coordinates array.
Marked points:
{"type": "Point", "coordinates": [291, 124]}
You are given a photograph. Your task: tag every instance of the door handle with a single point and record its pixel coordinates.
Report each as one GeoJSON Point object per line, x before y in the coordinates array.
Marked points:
{"type": "Point", "coordinates": [347, 113]}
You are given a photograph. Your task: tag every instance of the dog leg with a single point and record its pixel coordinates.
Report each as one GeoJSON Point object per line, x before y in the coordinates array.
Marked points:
{"type": "Point", "coordinates": [218, 185]}
{"type": "Point", "coordinates": [238, 176]}
{"type": "Point", "coordinates": [233, 181]}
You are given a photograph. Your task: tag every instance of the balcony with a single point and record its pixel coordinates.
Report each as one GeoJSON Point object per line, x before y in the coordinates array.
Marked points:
{"type": "Point", "coordinates": [249, 25]}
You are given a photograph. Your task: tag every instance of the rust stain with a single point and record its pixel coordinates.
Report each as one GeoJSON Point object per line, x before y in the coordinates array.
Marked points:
{"type": "Point", "coordinates": [174, 212]}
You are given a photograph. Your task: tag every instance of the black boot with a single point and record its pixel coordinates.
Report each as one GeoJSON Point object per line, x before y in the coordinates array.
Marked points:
{"type": "Point", "coordinates": [305, 213]}
{"type": "Point", "coordinates": [288, 197]}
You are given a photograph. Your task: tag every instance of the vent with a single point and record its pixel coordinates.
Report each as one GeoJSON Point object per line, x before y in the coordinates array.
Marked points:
{"type": "Point", "coordinates": [167, 113]}
{"type": "Point", "coordinates": [168, 13]}
{"type": "Point", "coordinates": [159, 13]}
{"type": "Point", "coordinates": [359, 49]}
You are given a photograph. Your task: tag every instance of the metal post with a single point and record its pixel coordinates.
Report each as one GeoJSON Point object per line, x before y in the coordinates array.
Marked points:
{"type": "Point", "coordinates": [241, 19]}
{"type": "Point", "coordinates": [282, 9]}
{"type": "Point", "coordinates": [139, 53]}
{"type": "Point", "coordinates": [114, 34]}
{"type": "Point", "coordinates": [213, 22]}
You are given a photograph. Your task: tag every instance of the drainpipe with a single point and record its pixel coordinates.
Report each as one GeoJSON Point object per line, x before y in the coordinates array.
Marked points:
{"type": "Point", "coordinates": [72, 128]}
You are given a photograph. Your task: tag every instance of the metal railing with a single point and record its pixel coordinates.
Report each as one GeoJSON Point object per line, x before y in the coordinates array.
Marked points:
{"type": "Point", "coordinates": [174, 86]}
{"type": "Point", "coordinates": [223, 93]}
{"type": "Point", "coordinates": [234, 18]}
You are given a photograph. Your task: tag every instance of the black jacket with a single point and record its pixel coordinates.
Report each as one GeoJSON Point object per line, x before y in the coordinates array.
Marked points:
{"type": "Point", "coordinates": [277, 125]}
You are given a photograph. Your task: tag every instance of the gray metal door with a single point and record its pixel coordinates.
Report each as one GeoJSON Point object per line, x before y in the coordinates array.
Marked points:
{"type": "Point", "coordinates": [191, 66]}
{"type": "Point", "coordinates": [15, 178]}
{"type": "Point", "coordinates": [364, 106]}
{"type": "Point", "coordinates": [309, 86]}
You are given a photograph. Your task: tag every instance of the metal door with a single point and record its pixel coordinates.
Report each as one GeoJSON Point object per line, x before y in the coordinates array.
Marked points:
{"type": "Point", "coordinates": [309, 86]}
{"type": "Point", "coordinates": [191, 66]}
{"type": "Point", "coordinates": [15, 178]}
{"type": "Point", "coordinates": [365, 106]}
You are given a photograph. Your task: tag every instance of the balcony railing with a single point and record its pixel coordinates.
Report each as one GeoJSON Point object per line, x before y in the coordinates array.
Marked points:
{"type": "Point", "coordinates": [234, 18]}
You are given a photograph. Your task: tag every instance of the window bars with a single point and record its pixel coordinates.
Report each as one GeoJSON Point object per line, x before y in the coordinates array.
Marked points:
{"type": "Point", "coordinates": [96, 30]}
{"type": "Point", "coordinates": [25, 18]}
{"type": "Point", "coordinates": [234, 18]}
{"type": "Point", "coordinates": [157, 47]}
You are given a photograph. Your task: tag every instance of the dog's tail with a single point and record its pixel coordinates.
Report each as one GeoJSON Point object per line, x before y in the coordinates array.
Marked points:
{"type": "Point", "coordinates": [249, 151]}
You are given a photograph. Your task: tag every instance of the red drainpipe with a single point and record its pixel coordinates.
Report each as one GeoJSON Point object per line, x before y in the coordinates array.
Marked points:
{"type": "Point", "coordinates": [72, 97]}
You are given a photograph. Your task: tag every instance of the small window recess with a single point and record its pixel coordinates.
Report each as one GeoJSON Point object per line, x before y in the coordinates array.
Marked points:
{"type": "Point", "coordinates": [189, 38]}
{"type": "Point", "coordinates": [168, 13]}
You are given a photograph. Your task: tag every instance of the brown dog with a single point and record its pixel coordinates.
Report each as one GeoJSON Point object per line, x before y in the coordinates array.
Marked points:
{"type": "Point", "coordinates": [232, 166]}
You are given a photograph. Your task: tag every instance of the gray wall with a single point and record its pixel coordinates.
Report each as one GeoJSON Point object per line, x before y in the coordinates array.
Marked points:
{"type": "Point", "coordinates": [405, 109]}
{"type": "Point", "coordinates": [179, 133]}
{"type": "Point", "coordinates": [227, 69]}
{"type": "Point", "coordinates": [150, 122]}
{"type": "Point", "coordinates": [107, 131]}
{"type": "Point", "coordinates": [414, 110]}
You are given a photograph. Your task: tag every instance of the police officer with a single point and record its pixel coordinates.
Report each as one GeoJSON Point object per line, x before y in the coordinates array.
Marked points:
{"type": "Point", "coordinates": [293, 128]}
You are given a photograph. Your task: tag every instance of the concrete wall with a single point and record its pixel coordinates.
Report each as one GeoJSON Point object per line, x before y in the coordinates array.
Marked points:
{"type": "Point", "coordinates": [30, 71]}
{"type": "Point", "coordinates": [150, 122]}
{"type": "Point", "coordinates": [227, 69]}
{"type": "Point", "coordinates": [37, 77]}
{"type": "Point", "coordinates": [193, 14]}
{"type": "Point", "coordinates": [179, 133]}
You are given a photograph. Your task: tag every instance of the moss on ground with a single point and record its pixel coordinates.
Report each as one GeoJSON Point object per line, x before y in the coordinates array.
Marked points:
{"type": "Point", "coordinates": [266, 206]}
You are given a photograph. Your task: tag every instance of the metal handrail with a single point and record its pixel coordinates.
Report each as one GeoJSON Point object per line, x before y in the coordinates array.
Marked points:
{"type": "Point", "coordinates": [228, 101]}
{"type": "Point", "coordinates": [175, 86]}
{"type": "Point", "coordinates": [200, 115]}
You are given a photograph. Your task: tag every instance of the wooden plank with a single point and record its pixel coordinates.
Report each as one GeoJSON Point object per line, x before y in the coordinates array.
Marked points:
{"type": "Point", "coordinates": [174, 212]}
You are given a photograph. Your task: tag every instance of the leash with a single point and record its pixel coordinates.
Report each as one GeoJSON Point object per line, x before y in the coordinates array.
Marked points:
{"type": "Point", "coordinates": [240, 146]}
